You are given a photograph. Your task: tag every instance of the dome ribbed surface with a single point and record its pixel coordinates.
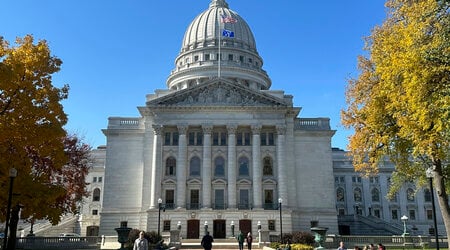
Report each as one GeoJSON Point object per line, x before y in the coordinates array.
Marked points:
{"type": "Point", "coordinates": [203, 39]}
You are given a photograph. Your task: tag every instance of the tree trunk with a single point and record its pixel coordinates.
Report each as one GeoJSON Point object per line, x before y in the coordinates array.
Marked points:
{"type": "Point", "coordinates": [13, 227]}
{"type": "Point", "coordinates": [439, 184]}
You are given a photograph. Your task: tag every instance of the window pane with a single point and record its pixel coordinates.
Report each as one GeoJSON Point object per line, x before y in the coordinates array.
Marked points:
{"type": "Point", "coordinates": [243, 166]}
{"type": "Point", "coordinates": [195, 166]}
{"type": "Point", "coordinates": [219, 169]}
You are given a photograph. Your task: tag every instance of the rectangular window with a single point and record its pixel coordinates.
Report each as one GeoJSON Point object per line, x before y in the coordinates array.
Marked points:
{"type": "Point", "coordinates": [341, 211]}
{"type": "Point", "coordinates": [342, 179]}
{"type": "Point", "coordinates": [377, 213]}
{"type": "Point", "coordinates": [239, 139]}
{"type": "Point", "coordinates": [244, 199]}
{"type": "Point", "coordinates": [268, 199]}
{"type": "Point", "coordinates": [215, 139]}
{"type": "Point", "coordinates": [230, 57]}
{"type": "Point", "coordinates": [170, 199]}
{"type": "Point", "coordinates": [207, 57]}
{"type": "Point", "coordinates": [241, 58]}
{"type": "Point", "coordinates": [394, 214]}
{"type": "Point", "coordinates": [199, 139]}
{"type": "Point", "coordinates": [271, 139]}
{"type": "Point", "coordinates": [195, 199]}
{"type": "Point", "coordinates": [247, 139]}
{"type": "Point", "coordinates": [429, 214]}
{"type": "Point", "coordinates": [175, 138]}
{"type": "Point", "coordinates": [167, 138]}
{"type": "Point", "coordinates": [219, 199]}
{"type": "Point", "coordinates": [271, 225]}
{"type": "Point", "coordinates": [191, 138]}
{"type": "Point", "coordinates": [412, 214]}
{"type": "Point", "coordinates": [195, 58]}
{"type": "Point", "coordinates": [263, 139]}
{"type": "Point", "coordinates": [94, 212]}
{"type": "Point", "coordinates": [94, 179]}
{"type": "Point", "coordinates": [166, 225]}
{"type": "Point", "coordinates": [250, 60]}
{"type": "Point", "coordinates": [223, 138]}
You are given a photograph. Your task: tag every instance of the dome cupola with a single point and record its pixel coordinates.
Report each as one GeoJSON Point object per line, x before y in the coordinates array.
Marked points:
{"type": "Point", "coordinates": [218, 29]}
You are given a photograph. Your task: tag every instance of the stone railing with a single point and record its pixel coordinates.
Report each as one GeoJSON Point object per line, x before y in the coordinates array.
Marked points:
{"type": "Point", "coordinates": [332, 241]}
{"type": "Point", "coordinates": [124, 123]}
{"type": "Point", "coordinates": [312, 124]}
{"type": "Point", "coordinates": [58, 243]}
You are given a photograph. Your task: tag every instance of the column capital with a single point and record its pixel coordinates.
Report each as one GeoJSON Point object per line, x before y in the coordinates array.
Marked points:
{"type": "Point", "coordinates": [157, 129]}
{"type": "Point", "coordinates": [281, 129]}
{"type": "Point", "coordinates": [207, 129]}
{"type": "Point", "coordinates": [256, 128]}
{"type": "Point", "coordinates": [182, 129]}
{"type": "Point", "coordinates": [231, 128]}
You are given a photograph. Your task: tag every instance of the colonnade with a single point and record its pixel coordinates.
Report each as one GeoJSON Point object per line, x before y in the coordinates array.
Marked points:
{"type": "Point", "coordinates": [182, 161]}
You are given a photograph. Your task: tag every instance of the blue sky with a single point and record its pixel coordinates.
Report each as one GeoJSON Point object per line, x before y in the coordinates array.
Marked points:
{"type": "Point", "coordinates": [115, 52]}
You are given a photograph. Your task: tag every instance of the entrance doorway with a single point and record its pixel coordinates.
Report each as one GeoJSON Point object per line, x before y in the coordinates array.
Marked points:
{"type": "Point", "coordinates": [219, 229]}
{"type": "Point", "coordinates": [92, 231]}
{"type": "Point", "coordinates": [245, 226]}
{"type": "Point", "coordinates": [193, 229]}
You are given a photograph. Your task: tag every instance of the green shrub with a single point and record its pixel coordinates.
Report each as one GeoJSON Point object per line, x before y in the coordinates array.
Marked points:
{"type": "Point", "coordinates": [305, 238]}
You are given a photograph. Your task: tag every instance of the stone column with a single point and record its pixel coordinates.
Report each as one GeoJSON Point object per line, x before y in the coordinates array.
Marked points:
{"type": "Point", "coordinates": [206, 166]}
{"type": "Point", "coordinates": [257, 169]}
{"type": "Point", "coordinates": [282, 174]}
{"type": "Point", "coordinates": [231, 166]}
{"type": "Point", "coordinates": [155, 185]}
{"type": "Point", "coordinates": [181, 167]}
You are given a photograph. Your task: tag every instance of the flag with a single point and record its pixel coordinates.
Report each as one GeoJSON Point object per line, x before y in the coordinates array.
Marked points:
{"type": "Point", "coordinates": [227, 33]}
{"type": "Point", "coordinates": [228, 19]}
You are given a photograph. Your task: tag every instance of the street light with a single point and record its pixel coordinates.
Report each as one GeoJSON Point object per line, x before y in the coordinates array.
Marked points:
{"type": "Point", "coordinates": [280, 201]}
{"type": "Point", "coordinates": [179, 225]}
{"type": "Point", "coordinates": [160, 207]}
{"type": "Point", "coordinates": [259, 233]}
{"type": "Point", "coordinates": [12, 175]}
{"type": "Point", "coordinates": [232, 228]}
{"type": "Point", "coordinates": [430, 176]}
{"type": "Point", "coordinates": [206, 227]}
{"type": "Point", "coordinates": [404, 219]}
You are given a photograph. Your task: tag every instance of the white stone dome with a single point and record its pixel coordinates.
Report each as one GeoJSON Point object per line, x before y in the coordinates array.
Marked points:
{"type": "Point", "coordinates": [198, 62]}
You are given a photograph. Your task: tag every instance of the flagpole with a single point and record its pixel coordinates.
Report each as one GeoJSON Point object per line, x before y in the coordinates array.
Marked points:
{"type": "Point", "coordinates": [220, 34]}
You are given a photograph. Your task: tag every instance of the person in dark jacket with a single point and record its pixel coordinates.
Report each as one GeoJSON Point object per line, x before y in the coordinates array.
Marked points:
{"type": "Point", "coordinates": [207, 241]}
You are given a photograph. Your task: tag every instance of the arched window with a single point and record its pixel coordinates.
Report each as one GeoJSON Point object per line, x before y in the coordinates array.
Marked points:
{"type": "Point", "coordinates": [340, 194]}
{"type": "Point", "coordinates": [219, 168]}
{"type": "Point", "coordinates": [375, 195]}
{"type": "Point", "coordinates": [410, 194]}
{"type": "Point", "coordinates": [427, 195]}
{"type": "Point", "coordinates": [194, 166]}
{"type": "Point", "coordinates": [243, 166]}
{"type": "Point", "coordinates": [96, 194]}
{"type": "Point", "coordinates": [171, 165]}
{"type": "Point", "coordinates": [357, 195]}
{"type": "Point", "coordinates": [267, 166]}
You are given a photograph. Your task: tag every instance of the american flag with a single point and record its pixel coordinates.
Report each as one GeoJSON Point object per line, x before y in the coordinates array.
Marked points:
{"type": "Point", "coordinates": [228, 19]}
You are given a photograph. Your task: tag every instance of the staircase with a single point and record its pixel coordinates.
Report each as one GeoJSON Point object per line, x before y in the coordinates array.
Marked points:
{"type": "Point", "coordinates": [229, 243]}
{"type": "Point", "coordinates": [368, 225]}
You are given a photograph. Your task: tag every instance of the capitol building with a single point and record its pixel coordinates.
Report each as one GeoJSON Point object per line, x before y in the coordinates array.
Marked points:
{"type": "Point", "coordinates": [220, 147]}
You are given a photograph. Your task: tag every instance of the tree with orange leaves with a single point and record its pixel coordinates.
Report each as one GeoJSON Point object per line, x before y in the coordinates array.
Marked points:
{"type": "Point", "coordinates": [51, 164]}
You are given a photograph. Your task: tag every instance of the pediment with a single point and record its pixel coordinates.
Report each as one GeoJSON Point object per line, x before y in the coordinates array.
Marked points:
{"type": "Point", "coordinates": [217, 92]}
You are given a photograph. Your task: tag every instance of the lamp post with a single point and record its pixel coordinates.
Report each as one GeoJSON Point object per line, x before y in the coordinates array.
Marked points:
{"type": "Point", "coordinates": [280, 201]}
{"type": "Point", "coordinates": [430, 176]}
{"type": "Point", "coordinates": [232, 228]}
{"type": "Point", "coordinates": [160, 207]}
{"type": "Point", "coordinates": [12, 175]}
{"type": "Point", "coordinates": [259, 233]}
{"type": "Point", "coordinates": [179, 225]}
{"type": "Point", "coordinates": [206, 226]}
{"type": "Point", "coordinates": [404, 219]}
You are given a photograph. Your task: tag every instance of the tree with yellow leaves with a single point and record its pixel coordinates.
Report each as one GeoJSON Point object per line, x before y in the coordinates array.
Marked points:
{"type": "Point", "coordinates": [399, 106]}
{"type": "Point", "coordinates": [51, 164]}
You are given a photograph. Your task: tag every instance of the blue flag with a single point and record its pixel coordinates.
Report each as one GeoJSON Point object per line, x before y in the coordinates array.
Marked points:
{"type": "Point", "coordinates": [227, 33]}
